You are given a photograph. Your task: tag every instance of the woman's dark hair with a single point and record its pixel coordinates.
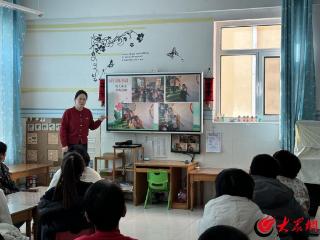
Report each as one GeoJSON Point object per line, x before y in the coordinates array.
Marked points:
{"type": "Point", "coordinates": [105, 205]}
{"type": "Point", "coordinates": [3, 148]}
{"type": "Point", "coordinates": [82, 151]}
{"type": "Point", "coordinates": [71, 171]}
{"type": "Point", "coordinates": [265, 165]}
{"type": "Point", "coordinates": [223, 233]}
{"type": "Point", "coordinates": [80, 92]}
{"type": "Point", "coordinates": [234, 182]}
{"type": "Point", "coordinates": [290, 164]}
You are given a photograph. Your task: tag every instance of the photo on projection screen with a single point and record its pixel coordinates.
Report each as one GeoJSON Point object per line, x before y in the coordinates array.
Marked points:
{"type": "Point", "coordinates": [170, 102]}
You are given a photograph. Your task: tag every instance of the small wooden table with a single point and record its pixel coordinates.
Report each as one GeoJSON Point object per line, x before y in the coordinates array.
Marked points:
{"type": "Point", "coordinates": [201, 175]}
{"type": "Point", "coordinates": [25, 170]}
{"type": "Point", "coordinates": [23, 207]}
{"type": "Point", "coordinates": [106, 159]}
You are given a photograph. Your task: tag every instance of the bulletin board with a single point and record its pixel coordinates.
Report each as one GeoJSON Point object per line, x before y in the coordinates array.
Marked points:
{"type": "Point", "coordinates": [43, 142]}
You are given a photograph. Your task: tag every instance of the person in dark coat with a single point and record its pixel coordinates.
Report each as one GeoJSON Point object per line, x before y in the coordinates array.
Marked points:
{"type": "Point", "coordinates": [290, 166]}
{"type": "Point", "coordinates": [6, 184]}
{"type": "Point", "coordinates": [274, 198]}
{"type": "Point", "coordinates": [61, 208]}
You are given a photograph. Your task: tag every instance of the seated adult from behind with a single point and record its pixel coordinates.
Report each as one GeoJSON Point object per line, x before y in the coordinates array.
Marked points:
{"type": "Point", "coordinates": [6, 184]}
{"type": "Point", "coordinates": [61, 208]}
{"type": "Point", "coordinates": [5, 216]}
{"type": "Point", "coordinates": [104, 206]}
{"type": "Point", "coordinates": [273, 197]}
{"type": "Point", "coordinates": [290, 166]}
{"type": "Point", "coordinates": [7, 230]}
{"type": "Point", "coordinates": [223, 233]}
{"type": "Point", "coordinates": [89, 175]}
{"type": "Point", "coordinates": [10, 232]}
{"type": "Point", "coordinates": [233, 206]}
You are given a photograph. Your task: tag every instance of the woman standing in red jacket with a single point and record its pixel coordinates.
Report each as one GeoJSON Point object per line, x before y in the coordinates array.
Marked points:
{"type": "Point", "coordinates": [76, 122]}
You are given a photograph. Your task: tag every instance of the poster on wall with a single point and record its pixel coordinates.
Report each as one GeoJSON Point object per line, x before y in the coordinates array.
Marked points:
{"type": "Point", "coordinates": [44, 127]}
{"type": "Point", "coordinates": [32, 138]}
{"type": "Point", "coordinates": [58, 125]}
{"type": "Point", "coordinates": [53, 155]}
{"type": "Point", "coordinates": [32, 155]}
{"type": "Point", "coordinates": [53, 138]}
{"type": "Point", "coordinates": [30, 127]}
{"type": "Point", "coordinates": [52, 126]}
{"type": "Point", "coordinates": [213, 143]}
{"type": "Point", "coordinates": [37, 127]}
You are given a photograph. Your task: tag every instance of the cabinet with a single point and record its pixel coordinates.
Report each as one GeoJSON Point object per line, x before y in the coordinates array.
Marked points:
{"type": "Point", "coordinates": [106, 158]}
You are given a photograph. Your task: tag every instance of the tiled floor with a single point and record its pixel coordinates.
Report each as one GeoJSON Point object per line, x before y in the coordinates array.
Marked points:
{"type": "Point", "coordinates": [158, 223]}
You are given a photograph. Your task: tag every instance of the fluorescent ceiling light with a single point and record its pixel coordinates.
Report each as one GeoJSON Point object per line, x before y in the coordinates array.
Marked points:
{"type": "Point", "coordinates": [20, 8]}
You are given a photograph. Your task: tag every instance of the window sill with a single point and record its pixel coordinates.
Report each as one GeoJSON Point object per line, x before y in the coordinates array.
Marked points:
{"type": "Point", "coordinates": [265, 122]}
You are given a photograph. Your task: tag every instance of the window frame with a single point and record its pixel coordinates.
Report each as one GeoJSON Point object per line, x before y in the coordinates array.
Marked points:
{"type": "Point", "coordinates": [258, 85]}
{"type": "Point", "coordinates": [261, 90]}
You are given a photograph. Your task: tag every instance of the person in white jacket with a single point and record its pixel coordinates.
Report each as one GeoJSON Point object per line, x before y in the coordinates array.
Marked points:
{"type": "Point", "coordinates": [7, 230]}
{"type": "Point", "coordinates": [10, 232]}
{"type": "Point", "coordinates": [89, 175]}
{"type": "Point", "coordinates": [5, 216]}
{"type": "Point", "coordinates": [233, 207]}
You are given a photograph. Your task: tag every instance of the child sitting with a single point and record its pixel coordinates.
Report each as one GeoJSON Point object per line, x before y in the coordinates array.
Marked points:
{"type": "Point", "coordinates": [290, 166]}
{"type": "Point", "coordinates": [61, 208]}
{"type": "Point", "coordinates": [233, 206]}
{"type": "Point", "coordinates": [104, 206]}
{"type": "Point", "coordinates": [274, 198]}
{"type": "Point", "coordinates": [89, 175]}
{"type": "Point", "coordinates": [222, 232]}
{"type": "Point", "coordinates": [6, 184]}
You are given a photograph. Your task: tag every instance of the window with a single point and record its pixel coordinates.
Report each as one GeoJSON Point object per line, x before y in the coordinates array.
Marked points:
{"type": "Point", "coordinates": [248, 68]}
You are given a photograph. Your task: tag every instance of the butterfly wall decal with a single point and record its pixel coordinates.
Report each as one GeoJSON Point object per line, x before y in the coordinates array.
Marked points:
{"type": "Point", "coordinates": [111, 64]}
{"type": "Point", "coordinates": [174, 53]}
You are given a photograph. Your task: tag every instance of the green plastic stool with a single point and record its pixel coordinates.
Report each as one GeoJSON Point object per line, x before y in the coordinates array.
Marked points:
{"type": "Point", "coordinates": [158, 181]}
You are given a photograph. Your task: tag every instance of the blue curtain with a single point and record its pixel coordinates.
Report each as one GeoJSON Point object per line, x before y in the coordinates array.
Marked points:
{"type": "Point", "coordinates": [297, 68]}
{"type": "Point", "coordinates": [12, 31]}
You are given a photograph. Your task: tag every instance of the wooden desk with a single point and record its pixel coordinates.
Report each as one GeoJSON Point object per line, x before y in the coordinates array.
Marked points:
{"type": "Point", "coordinates": [201, 175]}
{"type": "Point", "coordinates": [175, 172]}
{"type": "Point", "coordinates": [23, 207]}
{"type": "Point", "coordinates": [25, 170]}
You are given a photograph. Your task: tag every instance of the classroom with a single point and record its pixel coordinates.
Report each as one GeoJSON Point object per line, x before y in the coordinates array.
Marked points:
{"type": "Point", "coordinates": [159, 119]}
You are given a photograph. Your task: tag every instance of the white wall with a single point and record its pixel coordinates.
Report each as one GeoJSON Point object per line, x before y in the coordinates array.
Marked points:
{"type": "Point", "coordinates": [240, 143]}
{"type": "Point", "coordinates": [57, 57]}
{"type": "Point", "coordinates": [114, 8]}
